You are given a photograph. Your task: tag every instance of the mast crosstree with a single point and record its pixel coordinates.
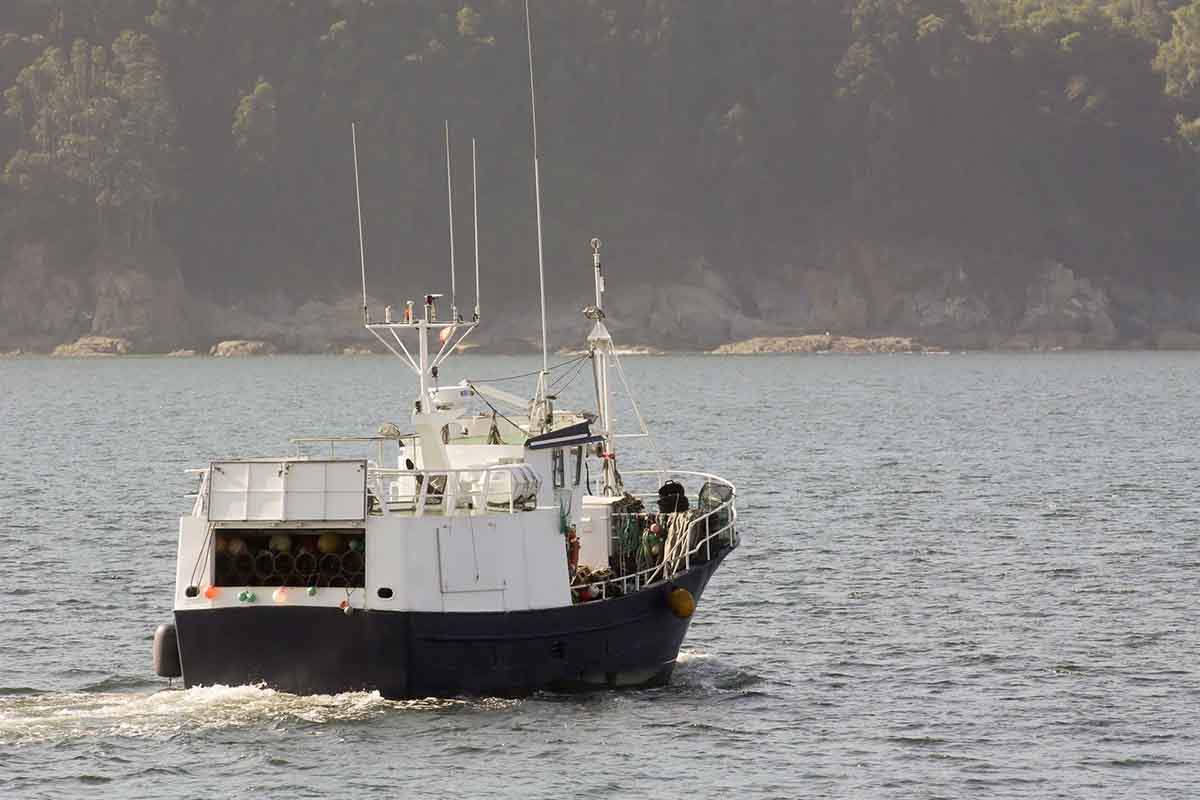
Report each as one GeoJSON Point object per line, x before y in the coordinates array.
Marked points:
{"type": "Point", "coordinates": [426, 361]}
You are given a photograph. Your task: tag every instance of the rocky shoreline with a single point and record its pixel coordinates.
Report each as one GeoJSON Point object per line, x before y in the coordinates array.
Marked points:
{"type": "Point", "coordinates": [826, 343]}
{"type": "Point", "coordinates": [809, 344]}
{"type": "Point", "coordinates": [841, 297]}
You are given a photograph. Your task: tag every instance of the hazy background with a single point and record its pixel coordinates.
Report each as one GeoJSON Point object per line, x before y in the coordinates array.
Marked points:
{"type": "Point", "coordinates": [983, 173]}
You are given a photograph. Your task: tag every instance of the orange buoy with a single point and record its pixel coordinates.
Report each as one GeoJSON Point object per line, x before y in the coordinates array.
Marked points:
{"type": "Point", "coordinates": [329, 543]}
{"type": "Point", "coordinates": [681, 602]}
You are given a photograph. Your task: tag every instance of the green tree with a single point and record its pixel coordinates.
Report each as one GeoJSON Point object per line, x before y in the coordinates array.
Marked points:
{"type": "Point", "coordinates": [1178, 60]}
{"type": "Point", "coordinates": [255, 126]}
{"type": "Point", "coordinates": [99, 125]}
{"type": "Point", "coordinates": [902, 90]}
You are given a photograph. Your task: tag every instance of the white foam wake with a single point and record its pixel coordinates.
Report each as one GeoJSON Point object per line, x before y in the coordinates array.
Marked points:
{"type": "Point", "coordinates": [69, 715]}
{"type": "Point", "coordinates": [692, 656]}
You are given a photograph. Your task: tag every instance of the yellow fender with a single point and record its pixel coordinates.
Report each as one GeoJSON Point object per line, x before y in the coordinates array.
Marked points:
{"type": "Point", "coordinates": [681, 602]}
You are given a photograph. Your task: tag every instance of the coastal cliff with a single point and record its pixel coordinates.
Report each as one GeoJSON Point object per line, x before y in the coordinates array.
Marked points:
{"type": "Point", "coordinates": [825, 299]}
{"type": "Point", "coordinates": [982, 174]}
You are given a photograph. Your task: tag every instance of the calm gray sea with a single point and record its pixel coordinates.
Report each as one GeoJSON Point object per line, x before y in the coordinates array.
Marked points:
{"type": "Point", "coordinates": [961, 576]}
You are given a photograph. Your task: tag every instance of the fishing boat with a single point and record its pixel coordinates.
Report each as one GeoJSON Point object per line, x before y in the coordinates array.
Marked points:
{"type": "Point", "coordinates": [493, 547]}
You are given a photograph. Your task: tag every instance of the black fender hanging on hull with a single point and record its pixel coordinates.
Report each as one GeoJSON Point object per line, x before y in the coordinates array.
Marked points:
{"type": "Point", "coordinates": [166, 652]}
{"type": "Point", "coordinates": [627, 641]}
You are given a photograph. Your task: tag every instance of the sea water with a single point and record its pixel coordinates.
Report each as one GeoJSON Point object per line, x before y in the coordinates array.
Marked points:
{"type": "Point", "coordinates": [961, 576]}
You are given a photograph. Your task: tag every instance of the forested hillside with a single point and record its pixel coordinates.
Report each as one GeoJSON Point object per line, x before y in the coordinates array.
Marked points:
{"type": "Point", "coordinates": [174, 170]}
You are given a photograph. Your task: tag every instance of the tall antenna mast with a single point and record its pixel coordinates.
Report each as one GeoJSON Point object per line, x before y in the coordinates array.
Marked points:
{"type": "Point", "coordinates": [426, 362]}
{"type": "Point", "coordinates": [362, 254]}
{"type": "Point", "coordinates": [537, 188]}
{"type": "Point", "coordinates": [450, 201]}
{"type": "Point", "coordinates": [475, 209]}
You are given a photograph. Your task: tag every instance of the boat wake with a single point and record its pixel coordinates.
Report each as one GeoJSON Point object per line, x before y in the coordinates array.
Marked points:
{"type": "Point", "coordinates": [57, 716]}
{"type": "Point", "coordinates": [695, 669]}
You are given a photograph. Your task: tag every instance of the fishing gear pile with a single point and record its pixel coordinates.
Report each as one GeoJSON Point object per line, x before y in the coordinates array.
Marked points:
{"type": "Point", "coordinates": [251, 558]}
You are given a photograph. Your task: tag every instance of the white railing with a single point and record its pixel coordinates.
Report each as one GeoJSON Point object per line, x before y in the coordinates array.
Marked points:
{"type": "Point", "coordinates": [300, 442]}
{"type": "Point", "coordinates": [200, 505]}
{"type": "Point", "coordinates": [665, 569]}
{"type": "Point", "coordinates": [497, 487]}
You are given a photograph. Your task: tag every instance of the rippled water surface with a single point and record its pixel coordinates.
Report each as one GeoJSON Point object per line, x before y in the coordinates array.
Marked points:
{"type": "Point", "coordinates": [961, 576]}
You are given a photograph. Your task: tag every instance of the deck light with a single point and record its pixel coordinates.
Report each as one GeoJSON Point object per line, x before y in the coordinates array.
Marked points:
{"type": "Point", "coordinates": [279, 595]}
{"type": "Point", "coordinates": [211, 592]}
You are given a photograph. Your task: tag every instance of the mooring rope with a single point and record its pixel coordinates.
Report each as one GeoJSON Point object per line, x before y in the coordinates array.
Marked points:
{"type": "Point", "coordinates": [677, 545]}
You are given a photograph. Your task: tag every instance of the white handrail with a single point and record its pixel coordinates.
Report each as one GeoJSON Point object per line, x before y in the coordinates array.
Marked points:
{"type": "Point", "coordinates": [678, 473]}
{"type": "Point", "coordinates": [476, 484]}
{"type": "Point", "coordinates": [640, 577]}
{"type": "Point", "coordinates": [298, 442]}
{"type": "Point", "coordinates": [198, 507]}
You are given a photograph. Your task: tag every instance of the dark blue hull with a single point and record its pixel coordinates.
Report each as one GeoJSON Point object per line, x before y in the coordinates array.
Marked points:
{"type": "Point", "coordinates": [627, 641]}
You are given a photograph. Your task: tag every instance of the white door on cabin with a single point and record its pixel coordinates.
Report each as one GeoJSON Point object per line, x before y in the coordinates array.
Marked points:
{"type": "Point", "coordinates": [467, 557]}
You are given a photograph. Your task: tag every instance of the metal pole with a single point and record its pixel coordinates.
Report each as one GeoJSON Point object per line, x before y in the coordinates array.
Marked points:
{"type": "Point", "coordinates": [537, 187]}
{"type": "Point", "coordinates": [537, 183]}
{"type": "Point", "coordinates": [423, 356]}
{"type": "Point", "coordinates": [532, 96]}
{"type": "Point", "coordinates": [362, 255]}
{"type": "Point", "coordinates": [450, 202]}
{"type": "Point", "coordinates": [475, 205]}
{"type": "Point", "coordinates": [599, 276]}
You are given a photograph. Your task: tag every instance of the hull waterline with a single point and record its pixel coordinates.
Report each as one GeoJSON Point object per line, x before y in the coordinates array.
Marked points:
{"type": "Point", "coordinates": [623, 642]}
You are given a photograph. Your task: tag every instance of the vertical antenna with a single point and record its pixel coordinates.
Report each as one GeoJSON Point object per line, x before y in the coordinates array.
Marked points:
{"type": "Point", "coordinates": [532, 96]}
{"type": "Point", "coordinates": [450, 200]}
{"type": "Point", "coordinates": [475, 204]}
{"type": "Point", "coordinates": [537, 188]}
{"type": "Point", "coordinates": [362, 255]}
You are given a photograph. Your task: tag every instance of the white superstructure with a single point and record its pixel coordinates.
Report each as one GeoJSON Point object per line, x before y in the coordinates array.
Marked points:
{"type": "Point", "coordinates": [470, 511]}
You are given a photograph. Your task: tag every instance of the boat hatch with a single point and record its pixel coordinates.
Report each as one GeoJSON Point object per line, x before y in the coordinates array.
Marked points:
{"type": "Point", "coordinates": [287, 490]}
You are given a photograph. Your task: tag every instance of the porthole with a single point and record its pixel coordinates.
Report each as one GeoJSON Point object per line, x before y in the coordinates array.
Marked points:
{"type": "Point", "coordinates": [384, 592]}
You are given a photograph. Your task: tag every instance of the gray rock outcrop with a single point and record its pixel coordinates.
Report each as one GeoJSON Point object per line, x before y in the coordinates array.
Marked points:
{"type": "Point", "coordinates": [1065, 311]}
{"type": "Point", "coordinates": [822, 344]}
{"type": "Point", "coordinates": [242, 347]}
{"type": "Point", "coordinates": [40, 306]}
{"type": "Point", "coordinates": [87, 346]}
{"type": "Point", "coordinates": [140, 296]}
{"type": "Point", "coordinates": [931, 293]}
